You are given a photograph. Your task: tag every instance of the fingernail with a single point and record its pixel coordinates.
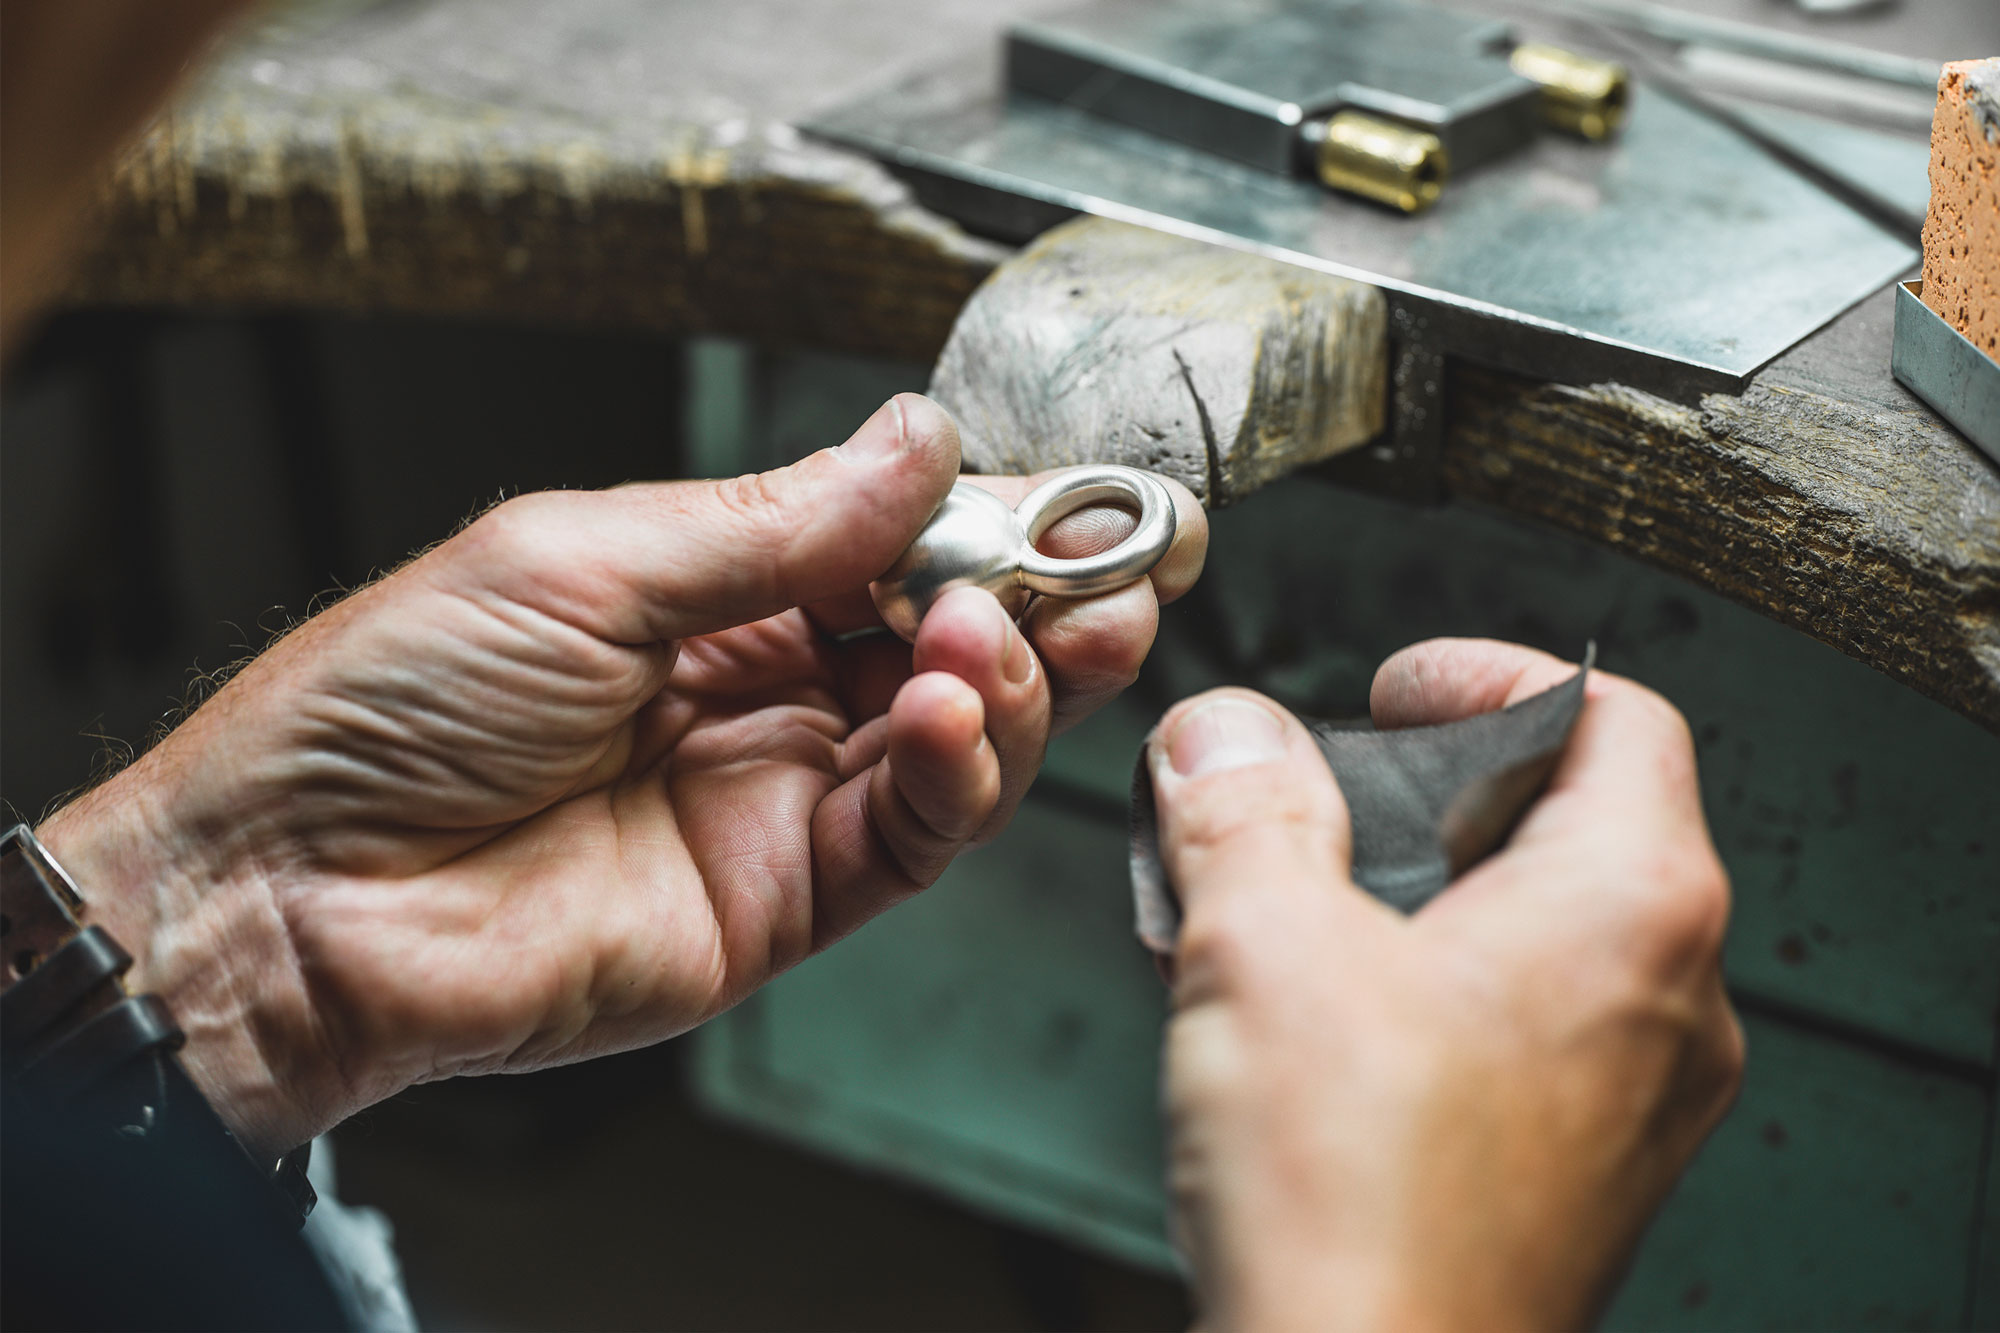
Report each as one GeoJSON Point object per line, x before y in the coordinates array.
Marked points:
{"type": "Point", "coordinates": [923, 420]}
{"type": "Point", "coordinates": [907, 421]}
{"type": "Point", "coordinates": [1223, 734]}
{"type": "Point", "coordinates": [1000, 637]}
{"type": "Point", "coordinates": [880, 437]}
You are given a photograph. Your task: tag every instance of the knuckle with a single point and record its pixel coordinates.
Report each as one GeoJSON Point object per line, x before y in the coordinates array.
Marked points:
{"type": "Point", "coordinates": [758, 515]}
{"type": "Point", "coordinates": [527, 542]}
{"type": "Point", "coordinates": [1731, 1054]}
{"type": "Point", "coordinates": [1672, 739]}
{"type": "Point", "coordinates": [1675, 752]}
{"type": "Point", "coordinates": [1696, 903]}
{"type": "Point", "coordinates": [752, 496]}
{"type": "Point", "coordinates": [1096, 646]}
{"type": "Point", "coordinates": [1125, 654]}
{"type": "Point", "coordinates": [516, 525]}
{"type": "Point", "coordinates": [1253, 947]}
{"type": "Point", "coordinates": [1678, 912]}
{"type": "Point", "coordinates": [1206, 1065]}
{"type": "Point", "coordinates": [1091, 689]}
{"type": "Point", "coordinates": [1218, 949]}
{"type": "Point", "coordinates": [1212, 826]}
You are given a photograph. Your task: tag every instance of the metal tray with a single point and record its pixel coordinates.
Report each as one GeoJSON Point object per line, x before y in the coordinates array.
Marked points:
{"type": "Point", "coordinates": [1940, 365]}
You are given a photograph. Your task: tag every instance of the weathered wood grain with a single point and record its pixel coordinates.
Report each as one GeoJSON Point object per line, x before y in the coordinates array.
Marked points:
{"type": "Point", "coordinates": [1223, 370]}
{"type": "Point", "coordinates": [706, 242]}
{"type": "Point", "coordinates": [610, 162]}
{"type": "Point", "coordinates": [1833, 503]}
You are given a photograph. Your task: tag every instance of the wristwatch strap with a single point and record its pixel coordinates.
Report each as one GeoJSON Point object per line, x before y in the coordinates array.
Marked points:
{"type": "Point", "coordinates": [71, 1035]}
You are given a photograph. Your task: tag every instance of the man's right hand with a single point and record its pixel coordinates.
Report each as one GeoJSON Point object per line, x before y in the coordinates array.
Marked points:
{"type": "Point", "coordinates": [1462, 1118]}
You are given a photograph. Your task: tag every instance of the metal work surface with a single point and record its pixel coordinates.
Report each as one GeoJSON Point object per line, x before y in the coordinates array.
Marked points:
{"type": "Point", "coordinates": [1679, 257]}
{"type": "Point", "coordinates": [1894, 169]}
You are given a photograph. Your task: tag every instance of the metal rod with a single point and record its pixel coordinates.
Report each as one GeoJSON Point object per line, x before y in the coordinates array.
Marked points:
{"type": "Point", "coordinates": [1674, 25]}
{"type": "Point", "coordinates": [1892, 218]}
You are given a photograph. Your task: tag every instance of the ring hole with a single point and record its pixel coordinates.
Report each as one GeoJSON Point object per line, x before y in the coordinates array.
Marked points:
{"type": "Point", "coordinates": [1114, 489]}
{"type": "Point", "coordinates": [24, 962]}
{"type": "Point", "coordinates": [1089, 531]}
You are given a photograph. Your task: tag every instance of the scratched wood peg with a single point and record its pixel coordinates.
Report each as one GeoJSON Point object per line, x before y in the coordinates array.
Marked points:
{"type": "Point", "coordinates": [1103, 342]}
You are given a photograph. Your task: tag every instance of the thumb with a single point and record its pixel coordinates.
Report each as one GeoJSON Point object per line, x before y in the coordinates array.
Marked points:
{"type": "Point", "coordinates": [658, 561]}
{"type": "Point", "coordinates": [1254, 836]}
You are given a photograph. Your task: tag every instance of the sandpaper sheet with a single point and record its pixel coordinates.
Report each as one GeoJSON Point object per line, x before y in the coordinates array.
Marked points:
{"type": "Point", "coordinates": [1426, 802]}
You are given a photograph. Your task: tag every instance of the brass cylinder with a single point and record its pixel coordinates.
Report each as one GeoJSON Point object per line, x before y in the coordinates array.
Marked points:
{"type": "Point", "coordinates": [1581, 95]}
{"type": "Point", "coordinates": [1381, 160]}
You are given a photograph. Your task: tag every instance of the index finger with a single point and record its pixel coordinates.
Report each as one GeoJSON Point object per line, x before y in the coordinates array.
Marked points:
{"type": "Point", "coordinates": [1444, 680]}
{"type": "Point", "coordinates": [1629, 754]}
{"type": "Point", "coordinates": [1617, 846]}
{"type": "Point", "coordinates": [1093, 646]}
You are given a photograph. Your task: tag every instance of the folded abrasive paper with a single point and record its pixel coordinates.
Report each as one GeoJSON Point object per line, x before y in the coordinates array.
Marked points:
{"type": "Point", "coordinates": [1426, 802]}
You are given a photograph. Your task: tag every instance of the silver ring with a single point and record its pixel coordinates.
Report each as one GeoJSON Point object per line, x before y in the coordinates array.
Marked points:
{"type": "Point", "coordinates": [974, 540]}
{"type": "Point", "coordinates": [1128, 561]}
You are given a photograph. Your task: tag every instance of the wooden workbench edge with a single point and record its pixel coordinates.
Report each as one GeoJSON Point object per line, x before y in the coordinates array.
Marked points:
{"type": "Point", "coordinates": [766, 235]}
{"type": "Point", "coordinates": [1736, 495]}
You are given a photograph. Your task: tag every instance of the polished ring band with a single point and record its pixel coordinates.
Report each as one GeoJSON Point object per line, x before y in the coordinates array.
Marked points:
{"type": "Point", "coordinates": [1128, 561]}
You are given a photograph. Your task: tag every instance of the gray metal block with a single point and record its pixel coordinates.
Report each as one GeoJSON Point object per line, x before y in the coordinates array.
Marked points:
{"type": "Point", "coordinates": [1236, 77]}
{"type": "Point", "coordinates": [1680, 257]}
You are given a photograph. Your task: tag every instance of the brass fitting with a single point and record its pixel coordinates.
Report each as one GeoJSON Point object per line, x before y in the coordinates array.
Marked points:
{"type": "Point", "coordinates": [1381, 160]}
{"type": "Point", "coordinates": [1581, 95]}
